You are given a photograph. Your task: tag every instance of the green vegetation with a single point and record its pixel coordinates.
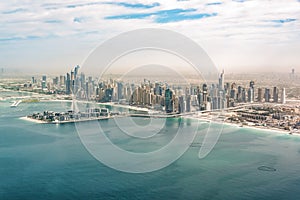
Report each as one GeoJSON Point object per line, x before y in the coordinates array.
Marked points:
{"type": "Point", "coordinates": [30, 100]}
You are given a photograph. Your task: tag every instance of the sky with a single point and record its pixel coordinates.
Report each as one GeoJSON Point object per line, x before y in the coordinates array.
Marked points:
{"type": "Point", "coordinates": [238, 35]}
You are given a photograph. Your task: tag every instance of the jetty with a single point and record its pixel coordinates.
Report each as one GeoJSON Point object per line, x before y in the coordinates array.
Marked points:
{"type": "Point", "coordinates": [15, 103]}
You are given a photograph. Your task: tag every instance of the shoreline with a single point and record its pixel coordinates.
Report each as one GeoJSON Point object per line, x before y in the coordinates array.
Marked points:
{"type": "Point", "coordinates": [265, 129]}
{"type": "Point", "coordinates": [206, 119]}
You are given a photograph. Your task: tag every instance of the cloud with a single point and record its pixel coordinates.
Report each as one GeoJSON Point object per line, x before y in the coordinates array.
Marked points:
{"type": "Point", "coordinates": [217, 25]}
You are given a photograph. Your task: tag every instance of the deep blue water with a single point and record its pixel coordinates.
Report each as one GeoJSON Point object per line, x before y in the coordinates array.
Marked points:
{"type": "Point", "coordinates": [44, 161]}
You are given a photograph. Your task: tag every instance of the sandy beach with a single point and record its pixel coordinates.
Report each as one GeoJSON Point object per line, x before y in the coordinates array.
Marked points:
{"type": "Point", "coordinates": [33, 120]}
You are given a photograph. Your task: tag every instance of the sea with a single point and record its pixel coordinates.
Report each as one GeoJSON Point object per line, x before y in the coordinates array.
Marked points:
{"type": "Point", "coordinates": [48, 161]}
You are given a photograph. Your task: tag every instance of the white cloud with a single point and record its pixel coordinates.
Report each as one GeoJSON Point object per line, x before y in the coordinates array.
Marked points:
{"type": "Point", "coordinates": [246, 28]}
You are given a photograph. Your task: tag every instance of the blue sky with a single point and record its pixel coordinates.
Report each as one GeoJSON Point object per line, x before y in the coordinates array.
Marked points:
{"type": "Point", "coordinates": [237, 34]}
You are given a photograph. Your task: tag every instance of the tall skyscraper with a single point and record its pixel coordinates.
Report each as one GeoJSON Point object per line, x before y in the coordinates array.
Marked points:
{"type": "Point", "coordinates": [168, 101]}
{"type": "Point", "coordinates": [283, 100]}
{"type": "Point", "coordinates": [68, 84]}
{"type": "Point", "coordinates": [221, 81]}
{"type": "Point", "coordinates": [76, 69]}
{"type": "Point", "coordinates": [120, 91]}
{"type": "Point", "coordinates": [260, 95]}
{"type": "Point", "coordinates": [82, 81]}
{"type": "Point", "coordinates": [275, 95]}
{"type": "Point", "coordinates": [44, 82]}
{"type": "Point", "coordinates": [251, 84]}
{"type": "Point", "coordinates": [267, 95]}
{"type": "Point", "coordinates": [244, 95]}
{"type": "Point", "coordinates": [239, 94]}
{"type": "Point", "coordinates": [250, 95]}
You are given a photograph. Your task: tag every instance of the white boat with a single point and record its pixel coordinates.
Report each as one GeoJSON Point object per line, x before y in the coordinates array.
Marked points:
{"type": "Point", "coordinates": [15, 104]}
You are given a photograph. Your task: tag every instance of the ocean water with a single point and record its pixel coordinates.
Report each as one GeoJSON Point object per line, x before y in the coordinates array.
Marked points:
{"type": "Point", "coordinates": [44, 161]}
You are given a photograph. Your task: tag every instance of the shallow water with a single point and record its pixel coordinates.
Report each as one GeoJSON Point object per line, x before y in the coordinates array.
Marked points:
{"type": "Point", "coordinates": [45, 161]}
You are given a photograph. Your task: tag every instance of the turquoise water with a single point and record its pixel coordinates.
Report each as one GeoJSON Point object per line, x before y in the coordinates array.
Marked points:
{"type": "Point", "coordinates": [43, 161]}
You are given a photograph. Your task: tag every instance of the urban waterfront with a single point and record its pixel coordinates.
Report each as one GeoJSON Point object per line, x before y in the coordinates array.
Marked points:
{"type": "Point", "coordinates": [48, 161]}
{"type": "Point", "coordinates": [238, 104]}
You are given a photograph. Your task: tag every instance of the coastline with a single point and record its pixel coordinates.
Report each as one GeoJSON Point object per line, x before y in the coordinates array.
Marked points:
{"type": "Point", "coordinates": [206, 119]}
{"type": "Point", "coordinates": [265, 129]}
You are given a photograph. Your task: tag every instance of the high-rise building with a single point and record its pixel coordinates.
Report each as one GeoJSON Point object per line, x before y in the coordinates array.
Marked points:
{"type": "Point", "coordinates": [275, 95]}
{"type": "Point", "coordinates": [181, 104]}
{"type": "Point", "coordinates": [168, 100]}
{"type": "Point", "coordinates": [62, 80]}
{"type": "Point", "coordinates": [82, 81]}
{"type": "Point", "coordinates": [251, 84]}
{"type": "Point", "coordinates": [221, 81]}
{"type": "Point", "coordinates": [239, 94]}
{"type": "Point", "coordinates": [260, 95]}
{"type": "Point", "coordinates": [188, 103]}
{"type": "Point", "coordinates": [283, 100]}
{"type": "Point", "coordinates": [120, 91]}
{"type": "Point", "coordinates": [33, 80]}
{"type": "Point", "coordinates": [76, 69]}
{"type": "Point", "coordinates": [44, 82]}
{"type": "Point", "coordinates": [250, 95]}
{"type": "Point", "coordinates": [68, 84]}
{"type": "Point", "coordinates": [55, 81]}
{"type": "Point", "coordinates": [267, 95]}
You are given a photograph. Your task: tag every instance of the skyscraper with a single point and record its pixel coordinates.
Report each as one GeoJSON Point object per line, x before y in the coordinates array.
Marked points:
{"type": "Point", "coordinates": [283, 100]}
{"type": "Point", "coordinates": [120, 91]}
{"type": "Point", "coordinates": [267, 95]}
{"type": "Point", "coordinates": [244, 95]}
{"type": "Point", "coordinates": [44, 82]}
{"type": "Point", "coordinates": [168, 101]}
{"type": "Point", "coordinates": [259, 95]}
{"type": "Point", "coordinates": [68, 84]}
{"type": "Point", "coordinates": [251, 84]}
{"type": "Point", "coordinates": [62, 80]}
{"type": "Point", "coordinates": [250, 95]}
{"type": "Point", "coordinates": [76, 69]}
{"type": "Point", "coordinates": [275, 95]}
{"type": "Point", "coordinates": [221, 81]}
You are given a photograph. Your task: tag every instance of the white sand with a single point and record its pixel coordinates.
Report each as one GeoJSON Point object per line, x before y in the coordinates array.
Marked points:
{"type": "Point", "coordinates": [33, 120]}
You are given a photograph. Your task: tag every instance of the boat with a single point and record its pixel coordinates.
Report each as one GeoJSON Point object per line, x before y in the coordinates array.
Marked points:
{"type": "Point", "coordinates": [15, 104]}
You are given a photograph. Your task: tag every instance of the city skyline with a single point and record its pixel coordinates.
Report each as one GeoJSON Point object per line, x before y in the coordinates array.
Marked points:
{"type": "Point", "coordinates": [239, 36]}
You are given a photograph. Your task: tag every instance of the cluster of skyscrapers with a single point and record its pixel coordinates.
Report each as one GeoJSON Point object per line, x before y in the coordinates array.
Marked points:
{"type": "Point", "coordinates": [159, 95]}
